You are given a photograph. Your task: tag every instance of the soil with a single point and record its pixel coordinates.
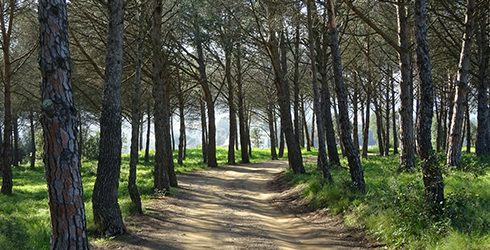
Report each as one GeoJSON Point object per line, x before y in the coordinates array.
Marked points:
{"type": "Point", "coordinates": [249, 206]}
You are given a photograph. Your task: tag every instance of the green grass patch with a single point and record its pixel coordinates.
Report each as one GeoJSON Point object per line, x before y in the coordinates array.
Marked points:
{"type": "Point", "coordinates": [394, 210]}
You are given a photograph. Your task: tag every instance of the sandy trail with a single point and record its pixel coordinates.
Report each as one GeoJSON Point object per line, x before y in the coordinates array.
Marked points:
{"type": "Point", "coordinates": [230, 207]}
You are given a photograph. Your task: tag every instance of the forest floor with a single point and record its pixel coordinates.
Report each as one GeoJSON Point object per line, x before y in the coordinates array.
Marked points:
{"type": "Point", "coordinates": [249, 206]}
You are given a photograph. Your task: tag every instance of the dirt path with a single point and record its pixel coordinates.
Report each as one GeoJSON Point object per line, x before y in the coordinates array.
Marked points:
{"type": "Point", "coordinates": [231, 207]}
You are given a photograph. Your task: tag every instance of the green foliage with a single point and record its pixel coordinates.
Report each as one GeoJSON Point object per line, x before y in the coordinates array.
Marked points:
{"type": "Point", "coordinates": [394, 210]}
{"type": "Point", "coordinates": [90, 146]}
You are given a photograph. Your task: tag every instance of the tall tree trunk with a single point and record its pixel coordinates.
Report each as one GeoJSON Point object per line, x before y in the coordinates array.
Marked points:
{"type": "Point", "coordinates": [355, 123]}
{"type": "Point", "coordinates": [454, 146]}
{"type": "Point", "coordinates": [482, 145]}
{"type": "Point", "coordinates": [61, 159]}
{"type": "Point", "coordinates": [365, 129]}
{"type": "Point", "coordinates": [211, 148]}
{"type": "Point", "coordinates": [241, 110]}
{"type": "Point", "coordinates": [204, 133]}
{"type": "Point", "coordinates": [6, 29]}
{"type": "Point", "coordinates": [148, 130]}
{"type": "Point", "coordinates": [379, 126]}
{"type": "Point", "coordinates": [432, 175]}
{"type": "Point", "coordinates": [15, 127]}
{"type": "Point", "coordinates": [281, 140]}
{"type": "Point", "coordinates": [163, 148]}
{"type": "Point", "coordinates": [322, 59]}
{"type": "Point", "coordinates": [135, 121]}
{"type": "Point", "coordinates": [322, 162]}
{"type": "Point", "coordinates": [407, 143]}
{"type": "Point", "coordinates": [297, 120]}
{"type": "Point", "coordinates": [393, 119]}
{"type": "Point", "coordinates": [439, 115]}
{"type": "Point", "coordinates": [387, 121]}
{"type": "Point", "coordinates": [313, 117]}
{"type": "Point", "coordinates": [182, 136]}
{"type": "Point", "coordinates": [305, 126]}
{"type": "Point", "coordinates": [272, 132]}
{"type": "Point", "coordinates": [140, 144]}
{"type": "Point", "coordinates": [33, 141]}
{"type": "Point", "coordinates": [231, 104]}
{"type": "Point", "coordinates": [351, 152]}
{"type": "Point", "coordinates": [107, 213]}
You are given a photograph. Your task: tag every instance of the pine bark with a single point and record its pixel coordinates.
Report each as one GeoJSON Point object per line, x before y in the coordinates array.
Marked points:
{"type": "Point", "coordinates": [365, 129]}
{"type": "Point", "coordinates": [135, 122]}
{"type": "Point", "coordinates": [148, 130]}
{"type": "Point", "coordinates": [482, 145]}
{"type": "Point", "coordinates": [61, 159]}
{"type": "Point", "coordinates": [352, 154]}
{"type": "Point", "coordinates": [164, 163]}
{"type": "Point", "coordinates": [204, 133]}
{"type": "Point", "coordinates": [460, 100]}
{"type": "Point", "coordinates": [407, 142]}
{"type": "Point", "coordinates": [182, 136]}
{"type": "Point", "coordinates": [432, 174]}
{"type": "Point", "coordinates": [272, 131]}
{"type": "Point", "coordinates": [106, 210]}
{"type": "Point", "coordinates": [241, 110]}
{"type": "Point", "coordinates": [231, 104]}
{"type": "Point", "coordinates": [322, 162]}
{"type": "Point", "coordinates": [6, 30]}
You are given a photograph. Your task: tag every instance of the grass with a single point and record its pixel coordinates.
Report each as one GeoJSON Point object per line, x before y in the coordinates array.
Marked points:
{"type": "Point", "coordinates": [394, 209]}
{"type": "Point", "coordinates": [24, 215]}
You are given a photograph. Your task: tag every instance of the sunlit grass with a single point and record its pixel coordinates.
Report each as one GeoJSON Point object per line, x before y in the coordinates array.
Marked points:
{"type": "Point", "coordinates": [394, 209]}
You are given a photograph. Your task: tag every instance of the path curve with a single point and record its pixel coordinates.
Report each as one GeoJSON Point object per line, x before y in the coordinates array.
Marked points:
{"type": "Point", "coordinates": [229, 207]}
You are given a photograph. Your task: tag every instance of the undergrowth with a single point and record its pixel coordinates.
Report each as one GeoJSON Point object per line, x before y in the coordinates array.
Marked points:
{"type": "Point", "coordinates": [24, 215]}
{"type": "Point", "coordinates": [394, 210]}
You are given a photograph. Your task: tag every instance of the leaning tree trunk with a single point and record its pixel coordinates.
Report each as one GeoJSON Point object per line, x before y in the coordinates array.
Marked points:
{"type": "Point", "coordinates": [483, 131]}
{"type": "Point", "coordinates": [432, 175]}
{"type": "Point", "coordinates": [61, 159]}
{"type": "Point", "coordinates": [135, 122]}
{"type": "Point", "coordinates": [107, 213]}
{"type": "Point", "coordinates": [455, 138]}
{"type": "Point", "coordinates": [356, 172]}
{"type": "Point", "coordinates": [407, 154]}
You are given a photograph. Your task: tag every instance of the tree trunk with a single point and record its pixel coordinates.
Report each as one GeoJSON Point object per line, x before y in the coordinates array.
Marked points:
{"type": "Point", "coordinates": [15, 159]}
{"type": "Point", "coordinates": [365, 129]}
{"type": "Point", "coordinates": [33, 141]}
{"type": "Point", "coordinates": [135, 122]}
{"type": "Point", "coordinates": [61, 159]}
{"type": "Point", "coordinates": [454, 146]}
{"type": "Point", "coordinates": [305, 126]}
{"type": "Point", "coordinates": [313, 117]}
{"type": "Point", "coordinates": [432, 175]}
{"type": "Point", "coordinates": [204, 133]}
{"type": "Point", "coordinates": [281, 141]}
{"type": "Point", "coordinates": [211, 148]}
{"type": "Point", "coordinates": [483, 131]}
{"type": "Point", "coordinates": [379, 126]}
{"type": "Point", "coordinates": [393, 119]}
{"type": "Point", "coordinates": [407, 154]}
{"type": "Point", "coordinates": [322, 162]}
{"type": "Point", "coordinates": [182, 136]}
{"type": "Point", "coordinates": [241, 110]}
{"type": "Point", "coordinates": [107, 214]}
{"type": "Point", "coordinates": [140, 144]}
{"type": "Point", "coordinates": [163, 156]}
{"type": "Point", "coordinates": [351, 152]}
{"type": "Point", "coordinates": [231, 104]}
{"type": "Point", "coordinates": [297, 120]}
{"type": "Point", "coordinates": [148, 130]}
{"type": "Point", "coordinates": [439, 115]}
{"type": "Point", "coordinates": [387, 121]}
{"type": "Point", "coordinates": [7, 103]}
{"type": "Point", "coordinates": [468, 127]}
{"type": "Point", "coordinates": [355, 123]}
{"type": "Point", "coordinates": [272, 132]}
